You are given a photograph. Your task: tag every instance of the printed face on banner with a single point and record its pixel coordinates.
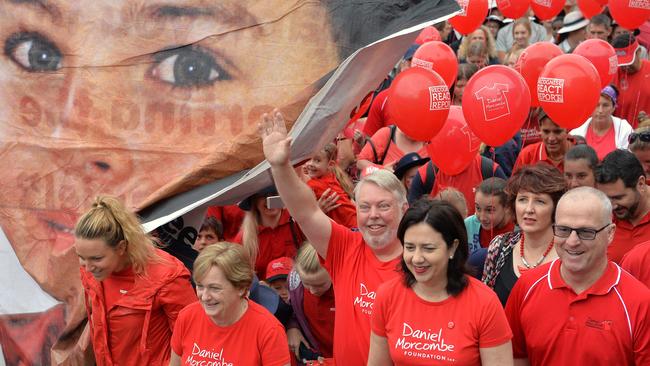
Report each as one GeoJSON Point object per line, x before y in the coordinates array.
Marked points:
{"type": "Point", "coordinates": [132, 98]}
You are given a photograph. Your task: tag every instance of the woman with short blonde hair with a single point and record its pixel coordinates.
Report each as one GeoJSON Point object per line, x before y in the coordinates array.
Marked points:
{"type": "Point", "coordinates": [225, 326]}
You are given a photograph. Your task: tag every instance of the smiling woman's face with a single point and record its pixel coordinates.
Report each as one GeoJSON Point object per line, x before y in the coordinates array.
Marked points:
{"type": "Point", "coordinates": [128, 98]}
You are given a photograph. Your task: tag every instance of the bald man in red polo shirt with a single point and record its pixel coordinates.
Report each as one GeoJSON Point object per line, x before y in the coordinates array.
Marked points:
{"type": "Point", "coordinates": [580, 309]}
{"type": "Point", "coordinates": [622, 178]}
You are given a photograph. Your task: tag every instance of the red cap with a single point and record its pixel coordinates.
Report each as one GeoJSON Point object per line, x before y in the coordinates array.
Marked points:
{"type": "Point", "coordinates": [278, 268]}
{"type": "Point", "coordinates": [626, 55]}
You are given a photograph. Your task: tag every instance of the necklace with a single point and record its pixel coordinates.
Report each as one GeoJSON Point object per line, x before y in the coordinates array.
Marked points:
{"type": "Point", "coordinates": [523, 259]}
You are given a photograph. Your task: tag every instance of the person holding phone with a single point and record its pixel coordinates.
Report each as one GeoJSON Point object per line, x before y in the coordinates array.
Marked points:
{"type": "Point", "coordinates": [268, 232]}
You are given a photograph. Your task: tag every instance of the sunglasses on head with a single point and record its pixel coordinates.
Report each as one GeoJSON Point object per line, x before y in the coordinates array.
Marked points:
{"type": "Point", "coordinates": [643, 136]}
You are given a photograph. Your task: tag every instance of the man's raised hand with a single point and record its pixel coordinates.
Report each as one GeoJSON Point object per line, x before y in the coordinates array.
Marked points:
{"type": "Point", "coordinates": [275, 142]}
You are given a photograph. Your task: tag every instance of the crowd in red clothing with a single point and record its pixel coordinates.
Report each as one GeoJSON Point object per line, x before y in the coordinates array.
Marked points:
{"type": "Point", "coordinates": [534, 251]}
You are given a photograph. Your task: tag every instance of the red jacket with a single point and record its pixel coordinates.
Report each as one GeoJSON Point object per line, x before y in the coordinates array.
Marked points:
{"type": "Point", "coordinates": [149, 310]}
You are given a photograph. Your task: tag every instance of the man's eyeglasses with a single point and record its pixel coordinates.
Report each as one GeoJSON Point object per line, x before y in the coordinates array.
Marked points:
{"type": "Point", "coordinates": [583, 233]}
{"type": "Point", "coordinates": [643, 136]}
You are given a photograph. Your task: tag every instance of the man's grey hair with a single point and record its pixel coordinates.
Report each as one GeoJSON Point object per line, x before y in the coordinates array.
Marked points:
{"type": "Point", "coordinates": [386, 180]}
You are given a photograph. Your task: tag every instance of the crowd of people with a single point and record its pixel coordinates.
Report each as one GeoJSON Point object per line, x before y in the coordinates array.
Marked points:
{"type": "Point", "coordinates": [537, 253]}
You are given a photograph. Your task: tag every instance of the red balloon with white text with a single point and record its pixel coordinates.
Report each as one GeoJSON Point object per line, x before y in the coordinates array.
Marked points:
{"type": "Point", "coordinates": [546, 9]}
{"type": "Point", "coordinates": [496, 102]}
{"type": "Point", "coordinates": [602, 55]}
{"type": "Point", "coordinates": [568, 90]}
{"type": "Point", "coordinates": [438, 57]}
{"type": "Point", "coordinates": [473, 13]}
{"type": "Point", "coordinates": [418, 101]}
{"type": "Point", "coordinates": [513, 9]}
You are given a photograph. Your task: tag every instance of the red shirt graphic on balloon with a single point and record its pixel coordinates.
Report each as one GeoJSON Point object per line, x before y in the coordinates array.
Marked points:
{"type": "Point", "coordinates": [550, 90]}
{"type": "Point", "coordinates": [495, 103]}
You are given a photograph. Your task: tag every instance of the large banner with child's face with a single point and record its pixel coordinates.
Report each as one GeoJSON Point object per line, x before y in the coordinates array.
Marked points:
{"type": "Point", "coordinates": [145, 99]}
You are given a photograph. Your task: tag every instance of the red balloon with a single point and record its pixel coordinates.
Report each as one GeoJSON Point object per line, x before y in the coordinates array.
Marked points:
{"type": "Point", "coordinates": [589, 8]}
{"type": "Point", "coordinates": [438, 57]}
{"type": "Point", "coordinates": [428, 34]}
{"type": "Point", "coordinates": [455, 146]}
{"type": "Point", "coordinates": [531, 62]}
{"type": "Point", "coordinates": [568, 90]}
{"type": "Point", "coordinates": [418, 101]}
{"type": "Point", "coordinates": [602, 2]}
{"type": "Point", "coordinates": [513, 9]}
{"type": "Point", "coordinates": [602, 55]}
{"type": "Point", "coordinates": [629, 14]}
{"type": "Point", "coordinates": [547, 9]}
{"type": "Point", "coordinates": [473, 13]}
{"type": "Point", "coordinates": [496, 102]}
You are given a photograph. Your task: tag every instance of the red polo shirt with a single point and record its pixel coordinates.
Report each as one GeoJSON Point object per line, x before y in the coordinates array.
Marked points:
{"type": "Point", "coordinates": [533, 153]}
{"type": "Point", "coordinates": [605, 325]}
{"type": "Point", "coordinates": [627, 236]}
{"type": "Point", "coordinates": [637, 262]}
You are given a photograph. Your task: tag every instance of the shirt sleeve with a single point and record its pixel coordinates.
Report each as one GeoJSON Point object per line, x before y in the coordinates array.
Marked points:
{"type": "Point", "coordinates": [378, 318]}
{"type": "Point", "coordinates": [375, 119]}
{"type": "Point", "coordinates": [176, 295]}
{"type": "Point", "coordinates": [379, 140]}
{"type": "Point", "coordinates": [178, 335]}
{"type": "Point", "coordinates": [341, 239]}
{"type": "Point", "coordinates": [513, 314]}
{"type": "Point", "coordinates": [274, 347]}
{"type": "Point", "coordinates": [494, 328]}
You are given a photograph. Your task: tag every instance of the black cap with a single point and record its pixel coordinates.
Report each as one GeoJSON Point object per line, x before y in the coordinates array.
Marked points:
{"type": "Point", "coordinates": [247, 203]}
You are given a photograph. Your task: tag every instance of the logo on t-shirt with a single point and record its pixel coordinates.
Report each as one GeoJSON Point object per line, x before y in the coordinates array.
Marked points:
{"type": "Point", "coordinates": [206, 357]}
{"type": "Point", "coordinates": [439, 98]}
{"type": "Point", "coordinates": [605, 325]}
{"type": "Point", "coordinates": [463, 7]}
{"type": "Point", "coordinates": [365, 300]}
{"type": "Point", "coordinates": [493, 98]}
{"type": "Point", "coordinates": [640, 4]}
{"type": "Point", "coordinates": [550, 90]}
{"type": "Point", "coordinates": [544, 3]}
{"type": "Point", "coordinates": [426, 344]}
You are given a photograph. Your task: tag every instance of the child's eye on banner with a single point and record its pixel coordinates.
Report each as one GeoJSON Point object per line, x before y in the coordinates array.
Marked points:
{"type": "Point", "coordinates": [33, 52]}
{"type": "Point", "coordinates": [188, 66]}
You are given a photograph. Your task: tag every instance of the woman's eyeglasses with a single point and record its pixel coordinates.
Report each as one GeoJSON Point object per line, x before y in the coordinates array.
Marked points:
{"type": "Point", "coordinates": [643, 136]}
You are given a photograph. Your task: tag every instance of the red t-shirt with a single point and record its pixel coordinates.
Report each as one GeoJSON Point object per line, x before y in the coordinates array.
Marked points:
{"type": "Point", "coordinates": [319, 312]}
{"type": "Point", "coordinates": [465, 182]}
{"type": "Point", "coordinates": [356, 274]}
{"type": "Point", "coordinates": [257, 338]}
{"type": "Point", "coordinates": [602, 144]}
{"type": "Point", "coordinates": [394, 153]}
{"type": "Point", "coordinates": [634, 94]}
{"type": "Point", "coordinates": [449, 332]}
{"type": "Point", "coordinates": [637, 262]}
{"type": "Point", "coordinates": [231, 218]}
{"type": "Point", "coordinates": [346, 213]}
{"type": "Point", "coordinates": [605, 325]}
{"type": "Point", "coordinates": [378, 114]}
{"type": "Point", "coordinates": [275, 242]}
{"type": "Point", "coordinates": [486, 236]}
{"type": "Point", "coordinates": [534, 153]}
{"type": "Point", "coordinates": [627, 236]}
